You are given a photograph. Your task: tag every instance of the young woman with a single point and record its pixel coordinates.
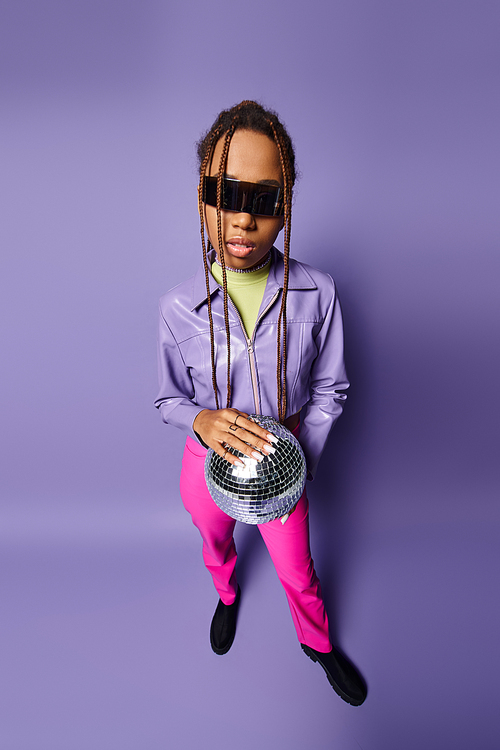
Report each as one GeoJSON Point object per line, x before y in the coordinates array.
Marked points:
{"type": "Point", "coordinates": [253, 332]}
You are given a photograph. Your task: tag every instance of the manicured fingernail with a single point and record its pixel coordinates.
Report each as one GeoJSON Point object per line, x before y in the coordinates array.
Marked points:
{"type": "Point", "coordinates": [238, 463]}
{"type": "Point", "coordinates": [285, 518]}
{"type": "Point", "coordinates": [268, 449]}
{"type": "Point", "coordinates": [272, 438]}
{"type": "Point", "coordinates": [258, 456]}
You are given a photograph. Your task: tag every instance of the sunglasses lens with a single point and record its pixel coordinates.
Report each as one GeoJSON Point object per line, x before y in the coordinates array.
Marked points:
{"type": "Point", "coordinates": [245, 197]}
{"type": "Point", "coordinates": [264, 202]}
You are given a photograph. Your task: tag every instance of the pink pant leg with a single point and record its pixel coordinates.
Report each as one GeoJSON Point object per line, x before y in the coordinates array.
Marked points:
{"type": "Point", "coordinates": [215, 526]}
{"type": "Point", "coordinates": [288, 545]}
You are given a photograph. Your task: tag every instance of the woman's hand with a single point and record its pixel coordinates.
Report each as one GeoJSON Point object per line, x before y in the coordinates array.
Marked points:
{"type": "Point", "coordinates": [224, 428]}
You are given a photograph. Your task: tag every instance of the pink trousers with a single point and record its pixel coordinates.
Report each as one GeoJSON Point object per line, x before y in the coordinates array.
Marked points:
{"type": "Point", "coordinates": [288, 545]}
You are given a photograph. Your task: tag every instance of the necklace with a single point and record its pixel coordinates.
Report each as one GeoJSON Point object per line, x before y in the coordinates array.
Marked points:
{"type": "Point", "coordinates": [263, 263]}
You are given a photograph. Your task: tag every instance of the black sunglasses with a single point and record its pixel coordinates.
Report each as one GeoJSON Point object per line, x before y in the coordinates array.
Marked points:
{"type": "Point", "coordinates": [244, 197]}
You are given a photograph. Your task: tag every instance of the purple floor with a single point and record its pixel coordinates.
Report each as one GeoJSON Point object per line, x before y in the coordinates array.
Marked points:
{"type": "Point", "coordinates": [105, 646]}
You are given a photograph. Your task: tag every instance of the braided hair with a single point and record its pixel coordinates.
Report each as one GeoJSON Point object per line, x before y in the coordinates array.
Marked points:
{"type": "Point", "coordinates": [248, 115]}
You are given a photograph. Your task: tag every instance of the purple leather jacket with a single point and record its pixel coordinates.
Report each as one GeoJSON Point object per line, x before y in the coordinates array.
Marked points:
{"type": "Point", "coordinates": [316, 375]}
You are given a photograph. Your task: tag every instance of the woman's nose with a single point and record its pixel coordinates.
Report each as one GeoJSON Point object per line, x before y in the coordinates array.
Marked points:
{"type": "Point", "coordinates": [243, 220]}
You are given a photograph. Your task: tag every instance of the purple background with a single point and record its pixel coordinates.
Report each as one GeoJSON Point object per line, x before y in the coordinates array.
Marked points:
{"type": "Point", "coordinates": [394, 108]}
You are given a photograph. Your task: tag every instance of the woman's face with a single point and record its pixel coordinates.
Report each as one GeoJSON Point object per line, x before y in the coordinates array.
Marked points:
{"type": "Point", "coordinates": [247, 238]}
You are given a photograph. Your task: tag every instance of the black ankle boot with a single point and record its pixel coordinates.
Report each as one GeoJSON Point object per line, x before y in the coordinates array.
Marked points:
{"type": "Point", "coordinates": [223, 625]}
{"type": "Point", "coordinates": [342, 675]}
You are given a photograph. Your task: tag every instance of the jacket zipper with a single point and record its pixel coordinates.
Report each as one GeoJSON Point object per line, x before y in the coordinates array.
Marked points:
{"type": "Point", "coordinates": [250, 347]}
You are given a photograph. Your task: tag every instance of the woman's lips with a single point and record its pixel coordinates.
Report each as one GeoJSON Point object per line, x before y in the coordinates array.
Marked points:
{"type": "Point", "coordinates": [240, 247]}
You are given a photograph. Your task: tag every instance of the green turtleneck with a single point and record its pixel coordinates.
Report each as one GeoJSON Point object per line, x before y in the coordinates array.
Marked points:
{"type": "Point", "coordinates": [246, 291]}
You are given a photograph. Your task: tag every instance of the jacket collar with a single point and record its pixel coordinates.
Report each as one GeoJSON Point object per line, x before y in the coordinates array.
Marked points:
{"type": "Point", "coordinates": [298, 278]}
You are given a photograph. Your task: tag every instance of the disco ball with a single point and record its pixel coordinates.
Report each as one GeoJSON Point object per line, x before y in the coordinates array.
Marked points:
{"type": "Point", "coordinates": [259, 492]}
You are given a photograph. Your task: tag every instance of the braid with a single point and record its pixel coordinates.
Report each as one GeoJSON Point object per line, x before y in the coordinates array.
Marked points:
{"type": "Point", "coordinates": [247, 115]}
{"type": "Point", "coordinates": [220, 175]}
{"type": "Point", "coordinates": [205, 263]}
{"type": "Point", "coordinates": [281, 359]}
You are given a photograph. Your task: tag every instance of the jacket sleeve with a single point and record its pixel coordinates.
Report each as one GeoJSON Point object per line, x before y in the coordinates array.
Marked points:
{"type": "Point", "coordinates": [175, 399]}
{"type": "Point", "coordinates": [328, 383]}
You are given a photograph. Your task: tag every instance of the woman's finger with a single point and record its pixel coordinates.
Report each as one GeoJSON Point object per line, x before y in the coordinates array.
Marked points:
{"type": "Point", "coordinates": [249, 445]}
{"type": "Point", "coordinates": [246, 429]}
